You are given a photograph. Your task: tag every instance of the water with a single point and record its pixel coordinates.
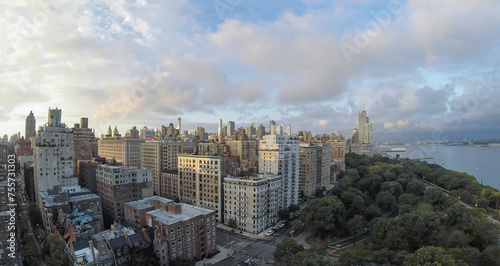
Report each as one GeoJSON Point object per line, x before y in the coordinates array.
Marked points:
{"type": "Point", "coordinates": [480, 162]}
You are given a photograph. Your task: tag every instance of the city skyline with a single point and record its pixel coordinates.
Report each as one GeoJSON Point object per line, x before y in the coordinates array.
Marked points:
{"type": "Point", "coordinates": [417, 68]}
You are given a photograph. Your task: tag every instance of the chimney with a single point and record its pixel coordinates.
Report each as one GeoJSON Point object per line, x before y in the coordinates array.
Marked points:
{"type": "Point", "coordinates": [174, 208]}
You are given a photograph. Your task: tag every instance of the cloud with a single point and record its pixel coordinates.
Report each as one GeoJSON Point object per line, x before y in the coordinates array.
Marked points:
{"type": "Point", "coordinates": [122, 60]}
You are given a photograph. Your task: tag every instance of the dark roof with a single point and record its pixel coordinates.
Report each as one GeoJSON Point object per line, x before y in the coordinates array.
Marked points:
{"type": "Point", "coordinates": [81, 244]}
{"type": "Point", "coordinates": [118, 242]}
{"type": "Point", "coordinates": [137, 237]}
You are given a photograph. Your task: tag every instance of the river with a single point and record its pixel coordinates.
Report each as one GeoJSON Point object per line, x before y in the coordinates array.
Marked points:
{"type": "Point", "coordinates": [480, 162]}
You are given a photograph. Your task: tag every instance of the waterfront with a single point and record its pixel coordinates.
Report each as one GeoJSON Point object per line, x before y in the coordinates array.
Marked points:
{"type": "Point", "coordinates": [481, 162]}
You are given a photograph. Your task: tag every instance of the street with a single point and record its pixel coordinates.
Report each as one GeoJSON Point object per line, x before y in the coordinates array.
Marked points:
{"type": "Point", "coordinates": [245, 248]}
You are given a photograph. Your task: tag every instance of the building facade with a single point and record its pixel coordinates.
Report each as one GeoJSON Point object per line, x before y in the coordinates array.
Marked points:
{"type": "Point", "coordinates": [252, 203]}
{"type": "Point", "coordinates": [123, 150]}
{"type": "Point", "coordinates": [279, 155]}
{"type": "Point", "coordinates": [181, 230]}
{"type": "Point", "coordinates": [200, 182]}
{"type": "Point", "coordinates": [118, 185]}
{"type": "Point", "coordinates": [30, 130]}
{"type": "Point", "coordinates": [53, 153]}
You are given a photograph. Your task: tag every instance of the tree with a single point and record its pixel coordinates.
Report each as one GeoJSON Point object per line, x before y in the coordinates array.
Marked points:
{"type": "Point", "coordinates": [416, 188]}
{"type": "Point", "coordinates": [306, 258]}
{"type": "Point", "coordinates": [410, 232]}
{"type": "Point", "coordinates": [324, 214]}
{"type": "Point", "coordinates": [296, 224]}
{"type": "Point", "coordinates": [352, 257]}
{"type": "Point", "coordinates": [392, 187]}
{"type": "Point", "coordinates": [429, 256]}
{"type": "Point", "coordinates": [293, 208]}
{"type": "Point", "coordinates": [284, 214]}
{"type": "Point", "coordinates": [287, 247]}
{"type": "Point", "coordinates": [483, 233]}
{"type": "Point", "coordinates": [420, 229]}
{"type": "Point", "coordinates": [491, 256]}
{"type": "Point", "coordinates": [457, 239]}
{"type": "Point", "coordinates": [356, 224]}
{"type": "Point", "coordinates": [386, 201]}
{"type": "Point", "coordinates": [457, 216]}
{"type": "Point", "coordinates": [436, 197]}
{"type": "Point", "coordinates": [467, 255]}
{"type": "Point", "coordinates": [372, 212]}
{"type": "Point", "coordinates": [232, 223]}
{"type": "Point", "coordinates": [408, 199]}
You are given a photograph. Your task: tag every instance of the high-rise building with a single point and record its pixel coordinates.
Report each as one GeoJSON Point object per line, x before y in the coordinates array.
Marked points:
{"type": "Point", "coordinates": [251, 130]}
{"type": "Point", "coordinates": [84, 122]}
{"type": "Point", "coordinates": [252, 202]}
{"type": "Point", "coordinates": [151, 159]}
{"type": "Point", "coordinates": [159, 157]}
{"type": "Point", "coordinates": [200, 132]}
{"type": "Point", "coordinates": [84, 143]}
{"type": "Point", "coordinates": [132, 133]}
{"type": "Point", "coordinates": [308, 169]}
{"type": "Point", "coordinates": [87, 172]}
{"type": "Point", "coordinates": [365, 129]}
{"type": "Point", "coordinates": [179, 124]}
{"type": "Point", "coordinates": [30, 126]}
{"type": "Point", "coordinates": [169, 131]}
{"type": "Point", "coordinates": [146, 133]}
{"type": "Point", "coordinates": [279, 155]}
{"type": "Point", "coordinates": [53, 153]}
{"type": "Point", "coordinates": [4, 150]}
{"type": "Point", "coordinates": [288, 130]}
{"type": "Point", "coordinates": [181, 230]}
{"type": "Point", "coordinates": [127, 151]}
{"type": "Point", "coordinates": [261, 131]}
{"type": "Point", "coordinates": [219, 129]}
{"type": "Point", "coordinates": [200, 181]}
{"type": "Point", "coordinates": [246, 150]}
{"type": "Point", "coordinates": [272, 127]}
{"type": "Point", "coordinates": [230, 129]}
{"type": "Point", "coordinates": [279, 129]}
{"type": "Point", "coordinates": [24, 147]}
{"type": "Point", "coordinates": [338, 153]}
{"type": "Point", "coordinates": [118, 185]}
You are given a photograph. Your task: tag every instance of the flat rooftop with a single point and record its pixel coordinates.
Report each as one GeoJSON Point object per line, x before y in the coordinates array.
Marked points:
{"type": "Point", "coordinates": [188, 211]}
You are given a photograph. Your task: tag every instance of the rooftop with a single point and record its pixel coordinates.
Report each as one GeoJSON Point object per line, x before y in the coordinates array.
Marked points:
{"type": "Point", "coordinates": [188, 211]}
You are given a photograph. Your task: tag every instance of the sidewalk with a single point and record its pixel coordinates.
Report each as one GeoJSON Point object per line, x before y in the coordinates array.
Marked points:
{"type": "Point", "coordinates": [301, 239]}
{"type": "Point", "coordinates": [241, 233]}
{"type": "Point", "coordinates": [222, 255]}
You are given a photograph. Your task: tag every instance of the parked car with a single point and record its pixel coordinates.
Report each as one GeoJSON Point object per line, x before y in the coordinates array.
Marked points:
{"type": "Point", "coordinates": [270, 232]}
{"type": "Point", "coordinates": [282, 225]}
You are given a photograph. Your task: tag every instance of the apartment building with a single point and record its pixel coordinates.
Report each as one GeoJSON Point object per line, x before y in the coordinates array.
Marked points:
{"type": "Point", "coordinates": [200, 182]}
{"type": "Point", "coordinates": [279, 155]}
{"type": "Point", "coordinates": [123, 150]}
{"type": "Point", "coordinates": [181, 230]}
{"type": "Point", "coordinates": [252, 202]}
{"type": "Point", "coordinates": [118, 185]}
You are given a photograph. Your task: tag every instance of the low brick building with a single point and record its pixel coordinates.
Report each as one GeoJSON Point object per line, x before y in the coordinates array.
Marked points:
{"type": "Point", "coordinates": [181, 230]}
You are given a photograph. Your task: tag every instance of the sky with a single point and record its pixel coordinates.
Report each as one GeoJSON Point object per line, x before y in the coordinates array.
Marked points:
{"type": "Point", "coordinates": [422, 70]}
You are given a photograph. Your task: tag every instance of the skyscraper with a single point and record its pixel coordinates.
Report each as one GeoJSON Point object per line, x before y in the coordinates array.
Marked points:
{"type": "Point", "coordinates": [219, 130]}
{"type": "Point", "coordinates": [272, 127]}
{"type": "Point", "coordinates": [230, 128]}
{"type": "Point", "coordinates": [279, 155]}
{"type": "Point", "coordinates": [179, 125]}
{"type": "Point", "coordinates": [261, 131]}
{"type": "Point", "coordinates": [30, 126]}
{"type": "Point", "coordinates": [365, 129]}
{"type": "Point", "coordinates": [53, 155]}
{"type": "Point", "coordinates": [288, 130]}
